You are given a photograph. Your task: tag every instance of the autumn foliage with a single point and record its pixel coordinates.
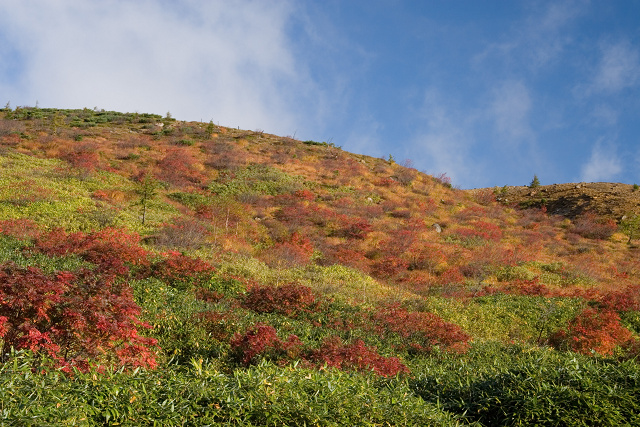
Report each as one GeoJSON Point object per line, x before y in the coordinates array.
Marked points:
{"type": "Point", "coordinates": [421, 331]}
{"type": "Point", "coordinates": [72, 318]}
{"type": "Point", "coordinates": [114, 251]}
{"type": "Point", "coordinates": [356, 356]}
{"type": "Point", "coordinates": [288, 299]}
{"type": "Point", "coordinates": [592, 330]}
{"type": "Point", "coordinates": [262, 340]}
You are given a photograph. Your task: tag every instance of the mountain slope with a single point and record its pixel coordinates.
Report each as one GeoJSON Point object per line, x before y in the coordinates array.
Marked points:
{"type": "Point", "coordinates": [253, 269]}
{"type": "Point", "coordinates": [610, 200]}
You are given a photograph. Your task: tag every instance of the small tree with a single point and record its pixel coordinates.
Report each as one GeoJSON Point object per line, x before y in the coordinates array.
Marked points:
{"type": "Point", "coordinates": [211, 128]}
{"type": "Point", "coordinates": [631, 227]}
{"type": "Point", "coordinates": [147, 188]}
{"type": "Point", "coordinates": [535, 182]}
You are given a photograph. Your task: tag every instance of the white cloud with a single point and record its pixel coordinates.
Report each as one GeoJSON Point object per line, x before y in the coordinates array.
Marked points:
{"type": "Point", "coordinates": [545, 35]}
{"type": "Point", "coordinates": [603, 165]}
{"type": "Point", "coordinates": [230, 61]}
{"type": "Point", "coordinates": [618, 68]}
{"type": "Point", "coordinates": [605, 114]}
{"type": "Point", "coordinates": [538, 39]}
{"type": "Point", "coordinates": [444, 144]}
{"type": "Point", "coordinates": [510, 110]}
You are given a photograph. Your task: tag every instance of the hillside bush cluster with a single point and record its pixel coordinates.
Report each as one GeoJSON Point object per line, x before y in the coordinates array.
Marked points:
{"type": "Point", "coordinates": [160, 272]}
{"type": "Point", "coordinates": [74, 319]}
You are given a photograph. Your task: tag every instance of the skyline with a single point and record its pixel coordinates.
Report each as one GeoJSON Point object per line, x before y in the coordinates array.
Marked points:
{"type": "Point", "coordinates": [489, 93]}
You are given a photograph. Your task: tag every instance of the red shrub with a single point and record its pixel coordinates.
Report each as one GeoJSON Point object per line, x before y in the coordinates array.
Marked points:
{"type": "Point", "coordinates": [356, 356]}
{"type": "Point", "coordinates": [592, 330]}
{"type": "Point", "coordinates": [451, 275]}
{"type": "Point", "coordinates": [262, 340]}
{"type": "Point", "coordinates": [482, 230]}
{"type": "Point", "coordinates": [388, 267]}
{"type": "Point", "coordinates": [385, 182]}
{"type": "Point", "coordinates": [625, 300]}
{"type": "Point", "coordinates": [295, 251]}
{"type": "Point", "coordinates": [19, 228]}
{"type": "Point", "coordinates": [592, 227]}
{"type": "Point", "coordinates": [112, 250]}
{"type": "Point", "coordinates": [421, 331]}
{"type": "Point", "coordinates": [353, 228]}
{"type": "Point", "coordinates": [305, 194]}
{"type": "Point", "coordinates": [208, 295]}
{"type": "Point", "coordinates": [179, 269]}
{"type": "Point", "coordinates": [72, 318]}
{"type": "Point", "coordinates": [295, 215]}
{"type": "Point", "coordinates": [349, 256]}
{"type": "Point", "coordinates": [178, 168]}
{"type": "Point", "coordinates": [531, 287]}
{"type": "Point", "coordinates": [83, 156]}
{"type": "Point", "coordinates": [289, 300]}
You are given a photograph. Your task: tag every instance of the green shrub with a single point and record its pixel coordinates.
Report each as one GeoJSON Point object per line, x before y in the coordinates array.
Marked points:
{"type": "Point", "coordinates": [265, 395]}
{"type": "Point", "coordinates": [504, 318]}
{"type": "Point", "coordinates": [522, 386]}
{"type": "Point", "coordinates": [256, 180]}
{"type": "Point", "coordinates": [535, 182]}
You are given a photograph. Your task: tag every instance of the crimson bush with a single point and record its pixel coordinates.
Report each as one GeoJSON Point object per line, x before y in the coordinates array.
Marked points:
{"type": "Point", "coordinates": [356, 356]}
{"type": "Point", "coordinates": [420, 331]}
{"type": "Point", "coordinates": [73, 318]}
{"type": "Point", "coordinates": [262, 340]}
{"type": "Point", "coordinates": [594, 330]}
{"type": "Point", "coordinates": [288, 299]}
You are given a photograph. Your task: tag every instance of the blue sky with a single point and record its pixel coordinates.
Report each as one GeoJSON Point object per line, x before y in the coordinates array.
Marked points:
{"type": "Point", "coordinates": [489, 92]}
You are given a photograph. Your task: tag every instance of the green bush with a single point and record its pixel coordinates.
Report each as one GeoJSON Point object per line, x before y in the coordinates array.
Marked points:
{"type": "Point", "coordinates": [505, 318]}
{"type": "Point", "coordinates": [511, 273]}
{"type": "Point", "coordinates": [521, 386]}
{"type": "Point", "coordinates": [265, 395]}
{"type": "Point", "coordinates": [256, 180]}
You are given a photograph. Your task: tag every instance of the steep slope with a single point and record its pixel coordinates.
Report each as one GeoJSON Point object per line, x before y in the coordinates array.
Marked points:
{"type": "Point", "coordinates": [610, 200]}
{"type": "Point", "coordinates": [234, 195]}
{"type": "Point", "coordinates": [232, 276]}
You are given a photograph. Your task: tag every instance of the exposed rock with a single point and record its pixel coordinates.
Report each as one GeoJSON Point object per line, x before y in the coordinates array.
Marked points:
{"type": "Point", "coordinates": [611, 200]}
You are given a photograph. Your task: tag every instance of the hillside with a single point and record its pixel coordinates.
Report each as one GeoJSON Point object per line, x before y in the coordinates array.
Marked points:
{"type": "Point", "coordinates": [231, 256]}
{"type": "Point", "coordinates": [610, 200]}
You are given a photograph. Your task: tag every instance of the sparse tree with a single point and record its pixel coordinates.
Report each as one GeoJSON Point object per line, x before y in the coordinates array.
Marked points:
{"type": "Point", "coordinates": [147, 188]}
{"type": "Point", "coordinates": [210, 129]}
{"type": "Point", "coordinates": [57, 122]}
{"type": "Point", "coordinates": [631, 226]}
{"type": "Point", "coordinates": [535, 182]}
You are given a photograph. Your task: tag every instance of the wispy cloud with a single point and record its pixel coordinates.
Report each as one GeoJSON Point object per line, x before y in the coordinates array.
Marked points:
{"type": "Point", "coordinates": [618, 68]}
{"type": "Point", "coordinates": [603, 165]}
{"type": "Point", "coordinates": [232, 62]}
{"type": "Point", "coordinates": [510, 111]}
{"type": "Point", "coordinates": [444, 143]}
{"type": "Point", "coordinates": [538, 39]}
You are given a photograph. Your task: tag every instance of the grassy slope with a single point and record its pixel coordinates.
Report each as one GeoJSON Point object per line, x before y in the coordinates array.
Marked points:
{"type": "Point", "coordinates": [357, 229]}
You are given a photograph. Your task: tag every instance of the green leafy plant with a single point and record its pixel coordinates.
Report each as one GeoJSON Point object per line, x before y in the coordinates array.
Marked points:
{"type": "Point", "coordinates": [535, 182]}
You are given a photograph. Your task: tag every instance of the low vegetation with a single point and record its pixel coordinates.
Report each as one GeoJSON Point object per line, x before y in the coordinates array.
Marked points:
{"type": "Point", "coordinates": [157, 272]}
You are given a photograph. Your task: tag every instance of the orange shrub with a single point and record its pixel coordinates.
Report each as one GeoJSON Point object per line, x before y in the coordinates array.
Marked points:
{"type": "Point", "coordinates": [594, 330]}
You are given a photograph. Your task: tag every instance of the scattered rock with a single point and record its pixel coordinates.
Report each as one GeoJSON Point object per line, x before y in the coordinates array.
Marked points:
{"type": "Point", "coordinates": [610, 200]}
